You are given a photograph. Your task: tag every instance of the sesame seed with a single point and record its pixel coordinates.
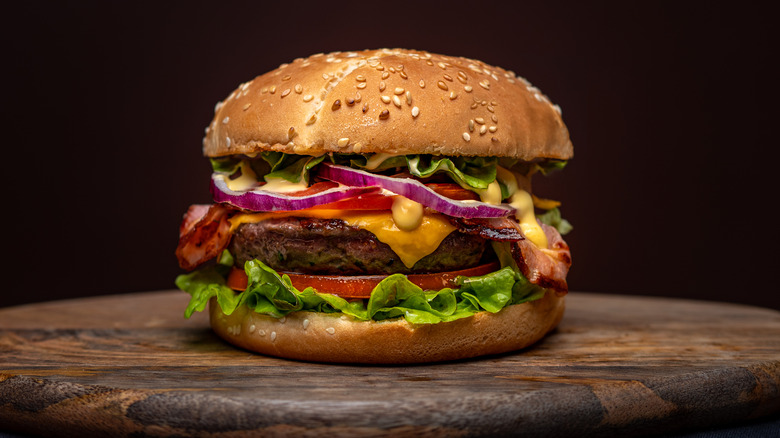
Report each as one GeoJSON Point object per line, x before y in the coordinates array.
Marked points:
{"type": "Point", "coordinates": [482, 130]}
{"type": "Point", "coordinates": [312, 119]}
{"type": "Point", "coordinates": [385, 75]}
{"type": "Point", "coordinates": [325, 76]}
{"type": "Point", "coordinates": [538, 97]}
{"type": "Point", "coordinates": [357, 97]}
{"type": "Point", "coordinates": [403, 75]}
{"type": "Point", "coordinates": [453, 95]}
{"type": "Point", "coordinates": [392, 70]}
{"type": "Point", "coordinates": [415, 112]}
{"type": "Point", "coordinates": [380, 68]}
{"type": "Point", "coordinates": [385, 99]}
{"type": "Point", "coordinates": [225, 120]}
{"type": "Point", "coordinates": [343, 142]}
{"type": "Point", "coordinates": [468, 88]}
{"type": "Point", "coordinates": [350, 101]}
{"type": "Point", "coordinates": [483, 103]}
{"type": "Point", "coordinates": [272, 89]}
{"type": "Point", "coordinates": [442, 85]}
{"type": "Point", "coordinates": [398, 90]}
{"type": "Point", "coordinates": [305, 324]}
{"type": "Point", "coordinates": [298, 88]}
{"type": "Point", "coordinates": [462, 76]}
{"type": "Point", "coordinates": [490, 108]}
{"type": "Point", "coordinates": [429, 62]}
{"type": "Point", "coordinates": [246, 107]}
{"type": "Point", "coordinates": [485, 84]}
{"type": "Point", "coordinates": [261, 332]}
{"type": "Point", "coordinates": [471, 125]}
{"type": "Point", "coordinates": [466, 136]}
{"type": "Point", "coordinates": [492, 129]}
{"type": "Point", "coordinates": [227, 141]}
{"type": "Point", "coordinates": [308, 98]}
{"type": "Point", "coordinates": [360, 78]}
{"type": "Point", "coordinates": [336, 105]}
{"type": "Point", "coordinates": [442, 65]}
{"type": "Point", "coordinates": [286, 78]}
{"type": "Point", "coordinates": [357, 147]}
{"type": "Point", "coordinates": [448, 77]}
{"type": "Point", "coordinates": [285, 92]}
{"type": "Point", "coordinates": [408, 97]}
{"type": "Point", "coordinates": [480, 120]}
{"type": "Point", "coordinates": [422, 83]}
{"type": "Point", "coordinates": [290, 133]}
{"type": "Point", "coordinates": [264, 90]}
{"type": "Point", "coordinates": [493, 139]}
{"type": "Point", "coordinates": [474, 105]}
{"type": "Point", "coordinates": [252, 328]}
{"type": "Point", "coordinates": [361, 85]}
{"type": "Point", "coordinates": [273, 336]}
{"type": "Point", "coordinates": [397, 101]}
{"type": "Point", "coordinates": [381, 86]}
{"type": "Point", "coordinates": [365, 108]}
{"type": "Point", "coordinates": [330, 330]}
{"type": "Point", "coordinates": [494, 118]}
{"type": "Point", "coordinates": [384, 114]}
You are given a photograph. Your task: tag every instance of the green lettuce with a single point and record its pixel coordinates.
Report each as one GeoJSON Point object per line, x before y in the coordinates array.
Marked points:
{"type": "Point", "coordinates": [553, 218]}
{"type": "Point", "coordinates": [273, 294]}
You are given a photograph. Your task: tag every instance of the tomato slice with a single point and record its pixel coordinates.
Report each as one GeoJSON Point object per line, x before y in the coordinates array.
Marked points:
{"type": "Point", "coordinates": [366, 201]}
{"type": "Point", "coordinates": [360, 286]}
{"type": "Point", "coordinates": [453, 191]}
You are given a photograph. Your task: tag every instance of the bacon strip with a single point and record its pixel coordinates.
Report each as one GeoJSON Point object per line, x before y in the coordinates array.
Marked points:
{"type": "Point", "coordinates": [545, 267]}
{"type": "Point", "coordinates": [203, 234]}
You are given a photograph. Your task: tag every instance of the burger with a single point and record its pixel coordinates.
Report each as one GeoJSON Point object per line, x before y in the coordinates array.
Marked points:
{"type": "Point", "coordinates": [377, 207]}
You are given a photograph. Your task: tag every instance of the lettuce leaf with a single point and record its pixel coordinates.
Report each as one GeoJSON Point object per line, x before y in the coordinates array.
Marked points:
{"type": "Point", "coordinates": [553, 218]}
{"type": "Point", "coordinates": [273, 294]}
{"type": "Point", "coordinates": [293, 168]}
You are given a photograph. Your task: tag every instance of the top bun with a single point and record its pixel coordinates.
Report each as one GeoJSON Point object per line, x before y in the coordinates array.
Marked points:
{"type": "Point", "coordinates": [392, 101]}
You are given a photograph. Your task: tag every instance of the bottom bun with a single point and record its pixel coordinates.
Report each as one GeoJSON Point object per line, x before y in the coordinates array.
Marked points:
{"type": "Point", "coordinates": [328, 337]}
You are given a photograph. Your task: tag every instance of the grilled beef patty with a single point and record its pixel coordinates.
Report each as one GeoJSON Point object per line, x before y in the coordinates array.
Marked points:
{"type": "Point", "coordinates": [330, 246]}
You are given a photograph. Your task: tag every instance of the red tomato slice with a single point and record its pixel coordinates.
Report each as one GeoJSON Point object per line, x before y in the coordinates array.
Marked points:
{"type": "Point", "coordinates": [366, 201]}
{"type": "Point", "coordinates": [360, 286]}
{"type": "Point", "coordinates": [453, 191]}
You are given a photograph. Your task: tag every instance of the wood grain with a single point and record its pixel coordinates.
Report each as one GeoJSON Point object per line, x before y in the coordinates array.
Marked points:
{"type": "Point", "coordinates": [131, 365]}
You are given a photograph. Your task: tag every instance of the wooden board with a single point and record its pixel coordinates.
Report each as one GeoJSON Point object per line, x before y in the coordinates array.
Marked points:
{"type": "Point", "coordinates": [131, 365]}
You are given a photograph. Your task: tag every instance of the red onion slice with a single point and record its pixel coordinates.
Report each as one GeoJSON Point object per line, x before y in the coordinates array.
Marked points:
{"type": "Point", "coordinates": [260, 200]}
{"type": "Point", "coordinates": [414, 190]}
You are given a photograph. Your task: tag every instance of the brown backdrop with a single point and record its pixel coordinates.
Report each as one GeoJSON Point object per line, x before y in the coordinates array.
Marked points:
{"type": "Point", "coordinates": [669, 106]}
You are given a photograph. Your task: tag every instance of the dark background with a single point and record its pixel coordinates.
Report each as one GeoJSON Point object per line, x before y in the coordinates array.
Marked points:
{"type": "Point", "coordinates": [670, 106]}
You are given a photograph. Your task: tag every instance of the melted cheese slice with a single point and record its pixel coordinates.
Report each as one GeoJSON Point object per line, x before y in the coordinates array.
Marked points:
{"type": "Point", "coordinates": [411, 246]}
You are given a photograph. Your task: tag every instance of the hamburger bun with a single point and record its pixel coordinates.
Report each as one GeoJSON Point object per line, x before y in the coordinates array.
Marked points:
{"type": "Point", "coordinates": [327, 337]}
{"type": "Point", "coordinates": [388, 101]}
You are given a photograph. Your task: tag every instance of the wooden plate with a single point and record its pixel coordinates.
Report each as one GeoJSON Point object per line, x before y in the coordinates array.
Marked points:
{"type": "Point", "coordinates": [131, 365]}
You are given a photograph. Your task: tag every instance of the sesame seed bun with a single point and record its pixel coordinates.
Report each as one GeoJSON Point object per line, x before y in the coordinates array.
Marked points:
{"type": "Point", "coordinates": [389, 101]}
{"type": "Point", "coordinates": [327, 337]}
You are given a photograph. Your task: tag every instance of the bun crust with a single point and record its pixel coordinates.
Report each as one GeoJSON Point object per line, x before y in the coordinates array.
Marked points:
{"type": "Point", "coordinates": [388, 101]}
{"type": "Point", "coordinates": [322, 337]}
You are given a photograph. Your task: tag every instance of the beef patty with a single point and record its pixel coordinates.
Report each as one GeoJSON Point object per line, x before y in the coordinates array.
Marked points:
{"type": "Point", "coordinates": [331, 246]}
